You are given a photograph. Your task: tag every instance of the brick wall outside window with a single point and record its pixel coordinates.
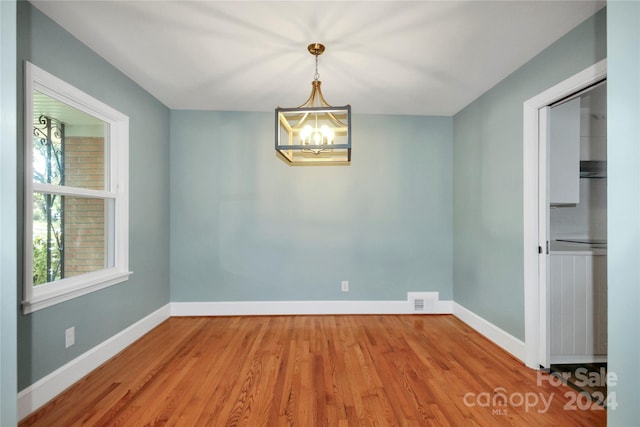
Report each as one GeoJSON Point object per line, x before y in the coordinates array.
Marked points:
{"type": "Point", "coordinates": [84, 226]}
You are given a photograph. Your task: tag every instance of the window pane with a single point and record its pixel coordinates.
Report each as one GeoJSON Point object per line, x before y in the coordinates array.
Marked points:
{"type": "Point", "coordinates": [48, 238]}
{"type": "Point", "coordinates": [68, 145]}
{"type": "Point", "coordinates": [69, 236]}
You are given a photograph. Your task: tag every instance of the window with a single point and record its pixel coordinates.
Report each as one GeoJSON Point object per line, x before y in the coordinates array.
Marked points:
{"type": "Point", "coordinates": [76, 192]}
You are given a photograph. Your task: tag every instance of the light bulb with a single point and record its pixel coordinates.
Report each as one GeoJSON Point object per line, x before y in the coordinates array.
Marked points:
{"type": "Point", "coordinates": [305, 133]}
{"type": "Point", "coordinates": [330, 135]}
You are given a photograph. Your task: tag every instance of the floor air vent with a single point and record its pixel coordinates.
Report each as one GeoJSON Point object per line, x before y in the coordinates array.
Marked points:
{"type": "Point", "coordinates": [422, 302]}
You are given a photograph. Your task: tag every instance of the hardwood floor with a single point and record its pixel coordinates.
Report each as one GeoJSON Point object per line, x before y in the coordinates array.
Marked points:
{"type": "Point", "coordinates": [391, 370]}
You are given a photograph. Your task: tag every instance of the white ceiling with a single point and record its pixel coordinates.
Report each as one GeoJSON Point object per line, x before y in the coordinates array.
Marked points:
{"type": "Point", "coordinates": [393, 57]}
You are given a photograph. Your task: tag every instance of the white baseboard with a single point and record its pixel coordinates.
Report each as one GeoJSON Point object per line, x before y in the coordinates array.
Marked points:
{"type": "Point", "coordinates": [39, 393]}
{"type": "Point", "coordinates": [503, 339]}
{"type": "Point", "coordinates": [266, 308]}
{"type": "Point", "coordinates": [45, 389]}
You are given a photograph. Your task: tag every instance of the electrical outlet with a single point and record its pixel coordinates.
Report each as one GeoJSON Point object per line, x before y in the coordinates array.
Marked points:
{"type": "Point", "coordinates": [70, 337]}
{"type": "Point", "coordinates": [345, 286]}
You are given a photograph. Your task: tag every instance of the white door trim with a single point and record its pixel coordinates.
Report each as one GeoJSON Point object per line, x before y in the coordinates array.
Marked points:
{"type": "Point", "coordinates": [535, 323]}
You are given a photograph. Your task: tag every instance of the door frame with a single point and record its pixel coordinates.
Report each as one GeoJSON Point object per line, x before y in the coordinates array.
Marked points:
{"type": "Point", "coordinates": [534, 162]}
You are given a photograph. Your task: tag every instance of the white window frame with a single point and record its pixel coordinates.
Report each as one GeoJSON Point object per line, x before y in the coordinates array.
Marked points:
{"type": "Point", "coordinates": [117, 190]}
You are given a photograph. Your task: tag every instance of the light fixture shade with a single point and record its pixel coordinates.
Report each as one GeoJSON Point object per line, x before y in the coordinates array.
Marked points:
{"type": "Point", "coordinates": [307, 135]}
{"type": "Point", "coordinates": [315, 132]}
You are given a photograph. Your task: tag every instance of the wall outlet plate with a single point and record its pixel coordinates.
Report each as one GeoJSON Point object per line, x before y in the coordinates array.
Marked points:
{"type": "Point", "coordinates": [345, 286]}
{"type": "Point", "coordinates": [70, 337]}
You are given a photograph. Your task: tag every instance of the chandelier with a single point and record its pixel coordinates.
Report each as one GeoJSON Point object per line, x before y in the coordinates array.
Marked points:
{"type": "Point", "coordinates": [314, 132]}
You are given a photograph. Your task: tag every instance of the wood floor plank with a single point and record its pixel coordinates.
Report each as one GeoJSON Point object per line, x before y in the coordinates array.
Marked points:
{"type": "Point", "coordinates": [333, 371]}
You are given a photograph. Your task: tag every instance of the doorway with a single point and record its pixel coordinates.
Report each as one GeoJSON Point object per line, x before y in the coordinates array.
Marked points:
{"type": "Point", "coordinates": [535, 211]}
{"type": "Point", "coordinates": [576, 224]}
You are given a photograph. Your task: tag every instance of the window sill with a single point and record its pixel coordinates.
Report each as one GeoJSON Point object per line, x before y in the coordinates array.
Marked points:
{"type": "Point", "coordinates": [67, 289]}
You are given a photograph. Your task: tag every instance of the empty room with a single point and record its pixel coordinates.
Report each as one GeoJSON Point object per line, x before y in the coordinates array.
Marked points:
{"type": "Point", "coordinates": [320, 213]}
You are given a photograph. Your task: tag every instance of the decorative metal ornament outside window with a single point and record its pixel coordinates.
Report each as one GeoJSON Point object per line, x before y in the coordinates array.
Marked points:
{"type": "Point", "coordinates": [315, 132]}
{"type": "Point", "coordinates": [49, 148]}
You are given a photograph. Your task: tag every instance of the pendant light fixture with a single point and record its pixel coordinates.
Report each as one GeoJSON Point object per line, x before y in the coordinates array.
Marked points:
{"type": "Point", "coordinates": [314, 132]}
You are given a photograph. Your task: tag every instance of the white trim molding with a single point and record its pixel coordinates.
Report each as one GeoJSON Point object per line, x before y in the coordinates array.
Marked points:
{"type": "Point", "coordinates": [432, 305]}
{"type": "Point", "coordinates": [36, 395]}
{"type": "Point", "coordinates": [115, 194]}
{"type": "Point", "coordinates": [501, 338]}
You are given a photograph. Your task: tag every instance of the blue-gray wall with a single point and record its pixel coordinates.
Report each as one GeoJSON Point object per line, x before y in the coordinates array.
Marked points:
{"type": "Point", "coordinates": [102, 314]}
{"type": "Point", "coordinates": [623, 155]}
{"type": "Point", "coordinates": [246, 226]}
{"type": "Point", "coordinates": [488, 192]}
{"type": "Point", "coordinates": [8, 224]}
